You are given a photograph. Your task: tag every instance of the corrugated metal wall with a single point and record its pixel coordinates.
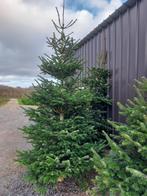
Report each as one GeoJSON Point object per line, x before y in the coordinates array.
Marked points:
{"type": "Point", "coordinates": [125, 42]}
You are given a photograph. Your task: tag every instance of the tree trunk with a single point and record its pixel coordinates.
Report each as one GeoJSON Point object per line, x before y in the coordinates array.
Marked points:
{"type": "Point", "coordinates": [61, 116]}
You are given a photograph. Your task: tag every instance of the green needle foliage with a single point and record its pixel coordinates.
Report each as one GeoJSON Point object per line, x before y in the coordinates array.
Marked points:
{"type": "Point", "coordinates": [124, 170]}
{"type": "Point", "coordinates": [62, 133]}
{"type": "Point", "coordinates": [98, 85]}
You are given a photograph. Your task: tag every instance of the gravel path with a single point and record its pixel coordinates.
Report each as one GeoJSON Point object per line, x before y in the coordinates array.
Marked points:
{"type": "Point", "coordinates": [11, 139]}
{"type": "Point", "coordinates": [11, 118]}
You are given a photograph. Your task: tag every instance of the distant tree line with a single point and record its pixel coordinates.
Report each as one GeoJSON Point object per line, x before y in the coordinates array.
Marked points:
{"type": "Point", "coordinates": [11, 92]}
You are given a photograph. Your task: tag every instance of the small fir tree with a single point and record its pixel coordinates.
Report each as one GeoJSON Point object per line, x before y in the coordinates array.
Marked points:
{"type": "Point", "coordinates": [62, 133]}
{"type": "Point", "coordinates": [124, 170]}
{"type": "Point", "coordinates": [97, 81]}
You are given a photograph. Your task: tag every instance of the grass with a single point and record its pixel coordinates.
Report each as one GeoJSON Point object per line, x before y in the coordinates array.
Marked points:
{"type": "Point", "coordinates": [25, 101]}
{"type": "Point", "coordinates": [3, 100]}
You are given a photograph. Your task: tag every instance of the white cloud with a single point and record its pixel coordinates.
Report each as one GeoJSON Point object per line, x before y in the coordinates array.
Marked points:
{"type": "Point", "coordinates": [109, 9]}
{"type": "Point", "coordinates": [11, 80]}
{"type": "Point", "coordinates": [24, 24]}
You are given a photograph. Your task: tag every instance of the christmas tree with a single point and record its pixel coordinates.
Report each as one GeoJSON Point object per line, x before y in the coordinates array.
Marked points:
{"type": "Point", "coordinates": [97, 81]}
{"type": "Point", "coordinates": [62, 133]}
{"type": "Point", "coordinates": [124, 170]}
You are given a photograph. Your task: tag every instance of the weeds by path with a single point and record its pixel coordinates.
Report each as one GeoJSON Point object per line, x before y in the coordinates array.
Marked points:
{"type": "Point", "coordinates": [3, 100]}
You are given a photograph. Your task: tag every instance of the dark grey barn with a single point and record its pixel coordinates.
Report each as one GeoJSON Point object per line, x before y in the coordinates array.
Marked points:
{"type": "Point", "coordinates": [122, 39]}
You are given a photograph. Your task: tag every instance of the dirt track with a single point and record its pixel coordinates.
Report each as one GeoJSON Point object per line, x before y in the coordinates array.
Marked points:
{"type": "Point", "coordinates": [11, 119]}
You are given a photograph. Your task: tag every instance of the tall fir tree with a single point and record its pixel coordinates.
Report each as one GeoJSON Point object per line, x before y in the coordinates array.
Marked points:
{"type": "Point", "coordinates": [124, 171]}
{"type": "Point", "coordinates": [62, 132]}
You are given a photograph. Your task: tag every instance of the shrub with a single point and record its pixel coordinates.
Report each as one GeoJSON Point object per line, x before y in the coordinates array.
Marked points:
{"type": "Point", "coordinates": [124, 170]}
{"type": "Point", "coordinates": [26, 100]}
{"type": "Point", "coordinates": [101, 102]}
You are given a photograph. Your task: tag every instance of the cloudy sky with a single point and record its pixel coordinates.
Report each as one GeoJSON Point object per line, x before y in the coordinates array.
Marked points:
{"type": "Point", "coordinates": [25, 24]}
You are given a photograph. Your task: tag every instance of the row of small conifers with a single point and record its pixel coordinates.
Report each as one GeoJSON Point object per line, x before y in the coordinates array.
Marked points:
{"type": "Point", "coordinates": [70, 133]}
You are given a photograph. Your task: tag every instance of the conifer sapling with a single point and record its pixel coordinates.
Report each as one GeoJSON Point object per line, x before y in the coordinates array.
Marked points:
{"type": "Point", "coordinates": [124, 170]}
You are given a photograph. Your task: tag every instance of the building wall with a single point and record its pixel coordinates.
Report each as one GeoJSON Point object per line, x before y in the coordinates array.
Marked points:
{"type": "Point", "coordinates": [125, 42]}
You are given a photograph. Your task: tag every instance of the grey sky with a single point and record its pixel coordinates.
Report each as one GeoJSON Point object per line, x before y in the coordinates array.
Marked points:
{"type": "Point", "coordinates": [24, 25]}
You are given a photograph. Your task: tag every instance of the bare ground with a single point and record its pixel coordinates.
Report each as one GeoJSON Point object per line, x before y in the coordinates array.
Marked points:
{"type": "Point", "coordinates": [12, 118]}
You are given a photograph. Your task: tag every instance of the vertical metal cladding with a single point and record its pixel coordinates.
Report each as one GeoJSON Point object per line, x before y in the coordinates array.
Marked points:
{"type": "Point", "coordinates": [123, 36]}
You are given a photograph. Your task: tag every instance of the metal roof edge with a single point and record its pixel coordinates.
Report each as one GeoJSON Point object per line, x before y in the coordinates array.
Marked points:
{"type": "Point", "coordinates": [121, 10]}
